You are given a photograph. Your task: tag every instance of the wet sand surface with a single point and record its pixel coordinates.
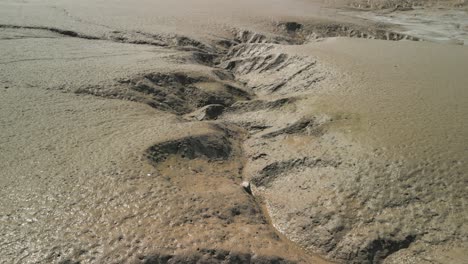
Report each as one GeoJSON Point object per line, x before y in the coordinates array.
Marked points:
{"type": "Point", "coordinates": [443, 25]}
{"type": "Point", "coordinates": [229, 132]}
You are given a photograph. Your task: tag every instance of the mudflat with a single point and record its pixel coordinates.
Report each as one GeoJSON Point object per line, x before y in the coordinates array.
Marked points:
{"type": "Point", "coordinates": [233, 132]}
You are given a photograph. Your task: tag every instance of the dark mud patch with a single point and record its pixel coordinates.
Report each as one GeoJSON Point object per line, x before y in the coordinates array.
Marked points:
{"type": "Point", "coordinates": [183, 41]}
{"type": "Point", "coordinates": [377, 250]}
{"type": "Point", "coordinates": [182, 94]}
{"type": "Point", "coordinates": [177, 93]}
{"type": "Point", "coordinates": [257, 105]}
{"type": "Point", "coordinates": [204, 58]}
{"type": "Point", "coordinates": [224, 75]}
{"type": "Point", "coordinates": [275, 72]}
{"type": "Point", "coordinates": [211, 146]}
{"type": "Point", "coordinates": [213, 256]}
{"type": "Point", "coordinates": [209, 112]}
{"type": "Point", "coordinates": [302, 32]}
{"type": "Point", "coordinates": [272, 171]}
{"type": "Point", "coordinates": [63, 32]}
{"type": "Point", "coordinates": [255, 56]}
{"type": "Point", "coordinates": [254, 127]}
{"type": "Point", "coordinates": [255, 61]}
{"type": "Point", "coordinates": [249, 37]}
{"type": "Point", "coordinates": [134, 37]}
{"type": "Point", "coordinates": [164, 40]}
{"type": "Point", "coordinates": [301, 126]}
{"type": "Point", "coordinates": [290, 27]}
{"type": "Point", "coordinates": [244, 36]}
{"type": "Point", "coordinates": [327, 30]}
{"type": "Point", "coordinates": [402, 5]}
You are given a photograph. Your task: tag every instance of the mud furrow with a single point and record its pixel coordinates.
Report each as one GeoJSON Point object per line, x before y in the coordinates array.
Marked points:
{"type": "Point", "coordinates": [130, 37]}
{"type": "Point", "coordinates": [241, 94]}
{"type": "Point", "coordinates": [200, 97]}
{"type": "Point", "coordinates": [63, 32]}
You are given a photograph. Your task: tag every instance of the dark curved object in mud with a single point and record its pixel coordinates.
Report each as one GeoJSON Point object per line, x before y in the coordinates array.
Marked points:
{"type": "Point", "coordinates": [290, 27]}
{"type": "Point", "coordinates": [296, 127]}
{"type": "Point", "coordinates": [271, 172]}
{"type": "Point", "coordinates": [377, 250]}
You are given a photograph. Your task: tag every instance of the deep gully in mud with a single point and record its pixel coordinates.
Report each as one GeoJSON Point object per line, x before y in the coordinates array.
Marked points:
{"type": "Point", "coordinates": [230, 89]}
{"type": "Point", "coordinates": [180, 94]}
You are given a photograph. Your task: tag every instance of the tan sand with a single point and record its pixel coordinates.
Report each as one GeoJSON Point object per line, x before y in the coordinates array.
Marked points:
{"type": "Point", "coordinates": [127, 129]}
